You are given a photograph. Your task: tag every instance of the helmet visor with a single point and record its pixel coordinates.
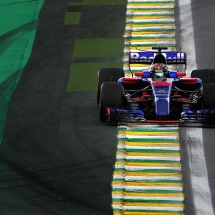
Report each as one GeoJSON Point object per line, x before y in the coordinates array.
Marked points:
{"type": "Point", "coordinates": [159, 74]}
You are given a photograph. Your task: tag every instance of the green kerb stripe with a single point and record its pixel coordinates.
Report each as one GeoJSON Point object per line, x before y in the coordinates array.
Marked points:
{"type": "Point", "coordinates": [158, 181]}
{"type": "Point", "coordinates": [148, 171]}
{"type": "Point", "coordinates": [149, 191]}
{"type": "Point", "coordinates": [151, 44]}
{"type": "Point", "coordinates": [148, 151]}
{"type": "Point", "coordinates": [148, 129]}
{"type": "Point", "coordinates": [149, 201]}
{"type": "Point", "coordinates": [148, 161]}
{"type": "Point", "coordinates": [151, 38]}
{"type": "Point", "coordinates": [152, 9]}
{"type": "Point", "coordinates": [150, 211]}
{"type": "Point", "coordinates": [161, 16]}
{"type": "Point", "coordinates": [154, 140]}
{"type": "Point", "coordinates": [156, 30]}
{"type": "Point", "coordinates": [150, 2]}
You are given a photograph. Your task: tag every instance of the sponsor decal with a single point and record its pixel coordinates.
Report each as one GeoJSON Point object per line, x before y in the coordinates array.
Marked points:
{"type": "Point", "coordinates": [140, 57]}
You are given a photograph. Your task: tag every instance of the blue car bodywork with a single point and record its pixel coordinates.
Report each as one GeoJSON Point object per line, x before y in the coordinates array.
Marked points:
{"type": "Point", "coordinates": [174, 98]}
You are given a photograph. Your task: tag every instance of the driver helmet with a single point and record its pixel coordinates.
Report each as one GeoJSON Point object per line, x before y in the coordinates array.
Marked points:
{"type": "Point", "coordinates": [159, 70]}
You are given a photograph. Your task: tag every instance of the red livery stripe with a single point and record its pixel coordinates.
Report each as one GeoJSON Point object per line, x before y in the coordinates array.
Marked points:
{"type": "Point", "coordinates": [108, 113]}
{"type": "Point", "coordinates": [181, 73]}
{"type": "Point", "coordinates": [160, 84]}
{"type": "Point", "coordinates": [189, 80]}
{"type": "Point", "coordinates": [139, 73]}
{"type": "Point", "coordinates": [130, 80]}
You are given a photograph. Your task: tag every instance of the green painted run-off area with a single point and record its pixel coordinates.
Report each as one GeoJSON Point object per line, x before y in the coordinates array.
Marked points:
{"type": "Point", "coordinates": [18, 22]}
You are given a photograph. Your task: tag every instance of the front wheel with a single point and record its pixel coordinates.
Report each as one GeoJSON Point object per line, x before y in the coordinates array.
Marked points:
{"type": "Point", "coordinates": [208, 96]}
{"type": "Point", "coordinates": [112, 96]}
{"type": "Point", "coordinates": [206, 75]}
{"type": "Point", "coordinates": [107, 75]}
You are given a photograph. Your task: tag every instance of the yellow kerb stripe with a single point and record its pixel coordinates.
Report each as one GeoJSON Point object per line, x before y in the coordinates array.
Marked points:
{"type": "Point", "coordinates": [150, 194]}
{"type": "Point", "coordinates": [151, 39]}
{"type": "Point", "coordinates": [135, 25]}
{"type": "Point", "coordinates": [155, 133]}
{"type": "Point", "coordinates": [149, 184]}
{"type": "Point", "coordinates": [145, 154]}
{"type": "Point", "coordinates": [151, 144]}
{"type": "Point", "coordinates": [142, 65]}
{"type": "Point", "coordinates": [129, 10]}
{"type": "Point", "coordinates": [151, 174]}
{"type": "Point", "coordinates": [148, 33]}
{"type": "Point", "coordinates": [164, 144]}
{"type": "Point", "coordinates": [147, 204]}
{"type": "Point", "coordinates": [160, 164]}
{"type": "Point", "coordinates": [151, 17]}
{"type": "Point", "coordinates": [146, 213]}
{"type": "Point", "coordinates": [156, 5]}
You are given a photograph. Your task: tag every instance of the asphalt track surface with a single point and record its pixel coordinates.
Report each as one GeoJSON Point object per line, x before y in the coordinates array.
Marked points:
{"type": "Point", "coordinates": [56, 157]}
{"type": "Point", "coordinates": [204, 40]}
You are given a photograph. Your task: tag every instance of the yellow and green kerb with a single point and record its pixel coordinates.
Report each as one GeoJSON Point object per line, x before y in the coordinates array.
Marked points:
{"type": "Point", "coordinates": [147, 177]}
{"type": "Point", "coordinates": [148, 23]}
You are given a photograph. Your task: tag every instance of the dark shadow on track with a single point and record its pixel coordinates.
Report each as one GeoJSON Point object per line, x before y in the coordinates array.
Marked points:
{"type": "Point", "coordinates": [56, 157]}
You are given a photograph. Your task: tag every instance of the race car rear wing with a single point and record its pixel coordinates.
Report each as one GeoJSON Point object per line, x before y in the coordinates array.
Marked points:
{"type": "Point", "coordinates": [148, 57]}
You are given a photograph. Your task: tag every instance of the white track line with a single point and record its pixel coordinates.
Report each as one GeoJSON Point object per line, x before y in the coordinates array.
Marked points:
{"type": "Point", "coordinates": [187, 37]}
{"type": "Point", "coordinates": [144, 208]}
{"type": "Point", "coordinates": [199, 175]}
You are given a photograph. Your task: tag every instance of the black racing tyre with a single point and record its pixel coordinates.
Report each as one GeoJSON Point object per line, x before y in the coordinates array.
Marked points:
{"type": "Point", "coordinates": [112, 95]}
{"type": "Point", "coordinates": [208, 96]}
{"type": "Point", "coordinates": [206, 75]}
{"type": "Point", "coordinates": [106, 75]}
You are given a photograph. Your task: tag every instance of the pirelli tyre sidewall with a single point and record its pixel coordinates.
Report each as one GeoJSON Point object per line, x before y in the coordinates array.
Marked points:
{"type": "Point", "coordinates": [106, 75]}
{"type": "Point", "coordinates": [208, 96]}
{"type": "Point", "coordinates": [206, 75]}
{"type": "Point", "coordinates": [112, 95]}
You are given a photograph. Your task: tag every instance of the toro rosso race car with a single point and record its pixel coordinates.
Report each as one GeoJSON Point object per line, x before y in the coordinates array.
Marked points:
{"type": "Point", "coordinates": [157, 94]}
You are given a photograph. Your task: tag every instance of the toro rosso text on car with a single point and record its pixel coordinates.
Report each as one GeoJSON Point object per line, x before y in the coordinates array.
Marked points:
{"type": "Point", "coordinates": [160, 93]}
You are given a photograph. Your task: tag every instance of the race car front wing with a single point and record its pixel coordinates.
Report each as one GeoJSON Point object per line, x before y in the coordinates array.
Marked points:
{"type": "Point", "coordinates": [188, 116]}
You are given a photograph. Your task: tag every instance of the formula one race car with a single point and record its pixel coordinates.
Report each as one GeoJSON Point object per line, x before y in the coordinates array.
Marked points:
{"type": "Point", "coordinates": [158, 94]}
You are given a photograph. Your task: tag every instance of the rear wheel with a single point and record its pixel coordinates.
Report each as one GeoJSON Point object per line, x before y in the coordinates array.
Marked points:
{"type": "Point", "coordinates": [106, 75]}
{"type": "Point", "coordinates": [206, 75]}
{"type": "Point", "coordinates": [112, 95]}
{"type": "Point", "coordinates": [208, 96]}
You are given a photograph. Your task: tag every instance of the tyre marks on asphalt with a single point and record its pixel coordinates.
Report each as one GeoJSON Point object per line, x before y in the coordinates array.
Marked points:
{"type": "Point", "coordinates": [147, 177]}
